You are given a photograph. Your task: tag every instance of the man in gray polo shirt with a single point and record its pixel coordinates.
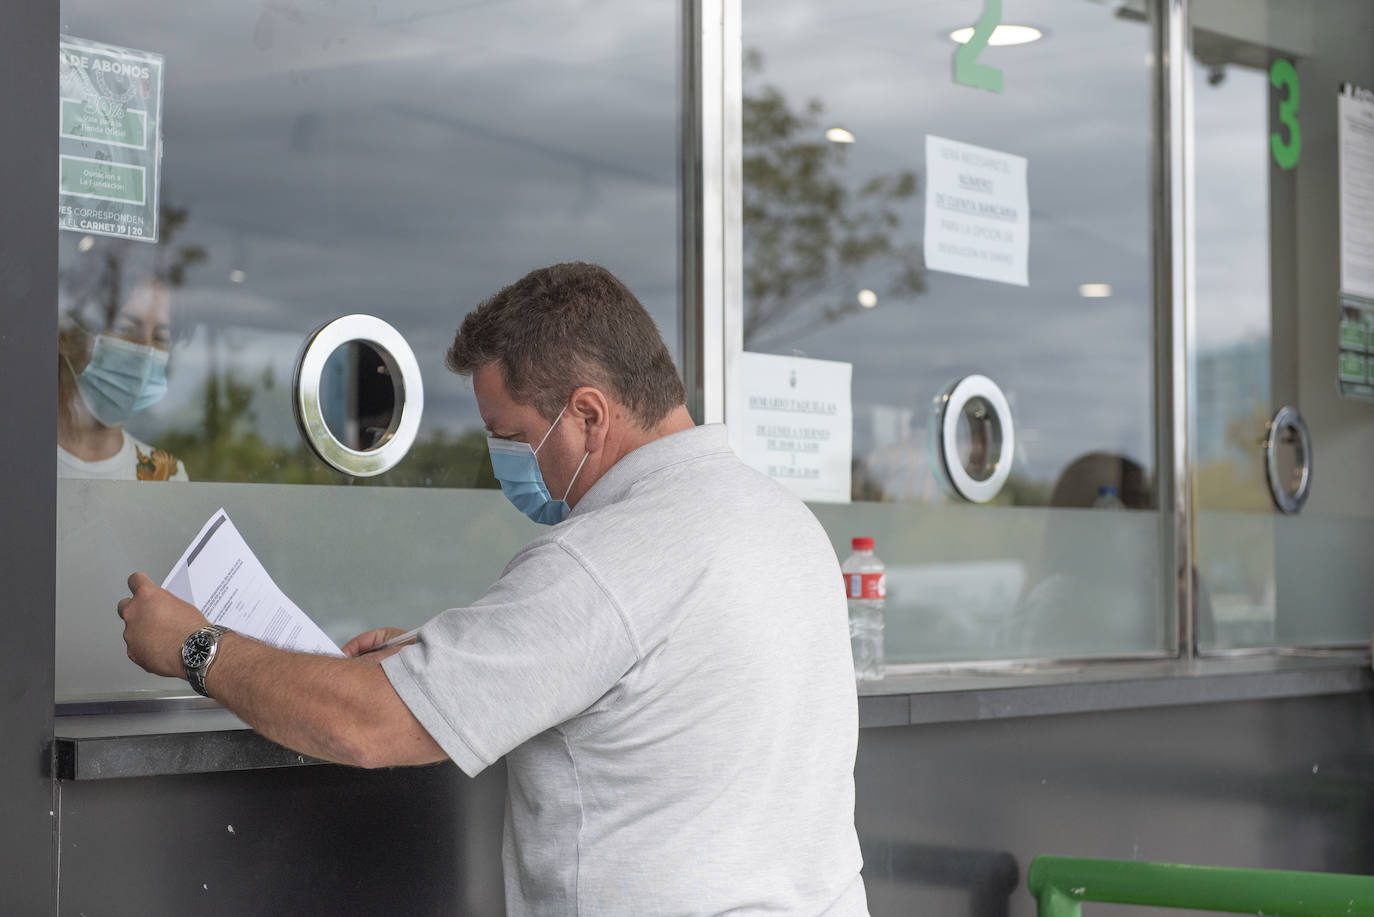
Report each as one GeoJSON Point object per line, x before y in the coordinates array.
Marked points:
{"type": "Point", "coordinates": [666, 671]}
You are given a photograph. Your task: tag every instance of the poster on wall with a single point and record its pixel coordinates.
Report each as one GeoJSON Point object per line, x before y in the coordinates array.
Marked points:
{"type": "Point", "coordinates": [977, 212]}
{"type": "Point", "coordinates": [1355, 145]}
{"type": "Point", "coordinates": [794, 422]}
{"type": "Point", "coordinates": [1355, 111]}
{"type": "Point", "coordinates": [110, 143]}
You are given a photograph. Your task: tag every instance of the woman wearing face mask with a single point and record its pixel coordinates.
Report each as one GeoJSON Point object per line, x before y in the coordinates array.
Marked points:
{"type": "Point", "coordinates": [106, 379]}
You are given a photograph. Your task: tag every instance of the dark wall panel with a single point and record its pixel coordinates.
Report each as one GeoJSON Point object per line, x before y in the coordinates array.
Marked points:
{"type": "Point", "coordinates": [28, 355]}
{"type": "Point", "coordinates": [949, 815]}
{"type": "Point", "coordinates": [299, 841]}
{"type": "Point", "coordinates": [1285, 784]}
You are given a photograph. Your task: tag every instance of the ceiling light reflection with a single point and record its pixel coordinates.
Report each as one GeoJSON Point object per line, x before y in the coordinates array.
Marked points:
{"type": "Point", "coordinates": [1002, 35]}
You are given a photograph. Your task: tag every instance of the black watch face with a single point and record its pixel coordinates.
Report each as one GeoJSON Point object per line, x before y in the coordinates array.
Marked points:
{"type": "Point", "coordinates": [196, 652]}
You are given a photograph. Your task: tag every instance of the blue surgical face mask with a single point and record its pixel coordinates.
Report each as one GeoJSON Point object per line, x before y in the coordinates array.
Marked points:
{"type": "Point", "coordinates": [121, 379]}
{"type": "Point", "coordinates": [517, 468]}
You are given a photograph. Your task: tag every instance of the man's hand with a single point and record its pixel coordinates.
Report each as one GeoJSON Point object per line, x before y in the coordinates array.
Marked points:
{"type": "Point", "coordinates": [364, 643]}
{"type": "Point", "coordinates": [156, 624]}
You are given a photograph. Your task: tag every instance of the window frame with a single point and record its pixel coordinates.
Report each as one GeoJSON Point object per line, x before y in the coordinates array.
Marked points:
{"type": "Point", "coordinates": [716, 106]}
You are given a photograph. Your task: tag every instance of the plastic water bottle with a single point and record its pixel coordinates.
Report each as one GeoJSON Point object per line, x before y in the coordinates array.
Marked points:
{"type": "Point", "coordinates": [865, 585]}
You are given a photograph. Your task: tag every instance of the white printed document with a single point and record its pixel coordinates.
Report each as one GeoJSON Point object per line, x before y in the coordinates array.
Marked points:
{"type": "Point", "coordinates": [1355, 133]}
{"type": "Point", "coordinates": [977, 212]}
{"type": "Point", "coordinates": [220, 575]}
{"type": "Point", "coordinates": [794, 421]}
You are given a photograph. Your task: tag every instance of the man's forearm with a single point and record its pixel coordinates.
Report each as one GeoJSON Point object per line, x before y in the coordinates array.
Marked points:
{"type": "Point", "coordinates": [341, 710]}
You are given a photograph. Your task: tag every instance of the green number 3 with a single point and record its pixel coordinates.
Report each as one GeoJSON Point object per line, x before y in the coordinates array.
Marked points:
{"type": "Point", "coordinates": [967, 70]}
{"type": "Point", "coordinates": [1286, 153]}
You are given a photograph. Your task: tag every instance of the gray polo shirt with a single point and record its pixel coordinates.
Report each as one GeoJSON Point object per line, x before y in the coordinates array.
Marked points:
{"type": "Point", "coordinates": [668, 674]}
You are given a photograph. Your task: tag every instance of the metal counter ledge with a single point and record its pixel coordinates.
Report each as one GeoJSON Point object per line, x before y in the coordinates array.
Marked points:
{"type": "Point", "coordinates": [119, 738]}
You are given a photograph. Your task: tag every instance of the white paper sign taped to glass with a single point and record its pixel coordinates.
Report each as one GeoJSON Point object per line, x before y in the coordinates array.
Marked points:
{"type": "Point", "coordinates": [110, 145]}
{"type": "Point", "coordinates": [794, 422]}
{"type": "Point", "coordinates": [977, 212]}
{"type": "Point", "coordinates": [220, 575]}
{"type": "Point", "coordinates": [1355, 113]}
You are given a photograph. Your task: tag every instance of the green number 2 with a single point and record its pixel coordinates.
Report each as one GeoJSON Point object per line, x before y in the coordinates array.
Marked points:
{"type": "Point", "coordinates": [967, 70]}
{"type": "Point", "coordinates": [1286, 153]}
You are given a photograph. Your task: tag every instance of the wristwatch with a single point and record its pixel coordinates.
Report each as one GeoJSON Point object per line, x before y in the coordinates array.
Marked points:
{"type": "Point", "coordinates": [198, 652]}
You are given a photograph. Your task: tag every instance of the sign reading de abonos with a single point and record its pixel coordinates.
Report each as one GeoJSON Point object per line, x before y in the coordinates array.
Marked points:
{"type": "Point", "coordinates": [110, 145]}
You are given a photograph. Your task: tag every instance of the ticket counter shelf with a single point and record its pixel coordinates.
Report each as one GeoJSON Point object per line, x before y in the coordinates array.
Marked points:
{"type": "Point", "coordinates": [121, 738]}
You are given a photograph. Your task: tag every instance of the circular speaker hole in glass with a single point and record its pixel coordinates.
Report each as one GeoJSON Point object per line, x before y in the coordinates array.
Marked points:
{"type": "Point", "coordinates": [358, 395]}
{"type": "Point", "coordinates": [978, 439]}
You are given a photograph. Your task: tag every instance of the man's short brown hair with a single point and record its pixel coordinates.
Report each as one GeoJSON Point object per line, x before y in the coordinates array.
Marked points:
{"type": "Point", "coordinates": [568, 325]}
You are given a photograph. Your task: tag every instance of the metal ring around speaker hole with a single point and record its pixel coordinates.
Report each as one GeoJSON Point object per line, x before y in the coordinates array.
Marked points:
{"type": "Point", "coordinates": [1288, 418]}
{"type": "Point", "coordinates": [408, 386]}
{"type": "Point", "coordinates": [948, 408]}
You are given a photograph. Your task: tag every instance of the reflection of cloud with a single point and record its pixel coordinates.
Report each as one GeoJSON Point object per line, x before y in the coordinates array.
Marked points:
{"type": "Point", "coordinates": [290, 40]}
{"type": "Point", "coordinates": [1232, 207]}
{"type": "Point", "coordinates": [302, 36]}
{"type": "Point", "coordinates": [462, 126]}
{"type": "Point", "coordinates": [550, 134]}
{"type": "Point", "coordinates": [1079, 372]}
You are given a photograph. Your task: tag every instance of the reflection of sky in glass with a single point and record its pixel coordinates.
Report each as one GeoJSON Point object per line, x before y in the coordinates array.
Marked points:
{"type": "Point", "coordinates": [1231, 163]}
{"type": "Point", "coordinates": [1078, 371]}
{"type": "Point", "coordinates": [401, 159]}
{"type": "Point", "coordinates": [1230, 376]}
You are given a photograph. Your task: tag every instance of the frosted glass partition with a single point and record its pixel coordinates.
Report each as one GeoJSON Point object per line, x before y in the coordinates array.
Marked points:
{"type": "Point", "coordinates": [1268, 580]}
{"type": "Point", "coordinates": [988, 584]}
{"type": "Point", "coordinates": [1001, 583]}
{"type": "Point", "coordinates": [354, 558]}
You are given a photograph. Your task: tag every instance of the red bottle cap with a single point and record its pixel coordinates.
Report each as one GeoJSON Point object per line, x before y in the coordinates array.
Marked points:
{"type": "Point", "coordinates": [862, 544]}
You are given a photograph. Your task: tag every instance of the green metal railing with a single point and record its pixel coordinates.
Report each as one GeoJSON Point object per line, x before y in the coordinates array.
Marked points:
{"type": "Point", "coordinates": [1062, 884]}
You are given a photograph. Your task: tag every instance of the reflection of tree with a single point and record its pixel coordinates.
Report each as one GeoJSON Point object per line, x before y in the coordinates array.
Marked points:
{"type": "Point", "coordinates": [226, 446]}
{"type": "Point", "coordinates": [806, 231]}
{"type": "Point", "coordinates": [1236, 483]}
{"type": "Point", "coordinates": [98, 278]}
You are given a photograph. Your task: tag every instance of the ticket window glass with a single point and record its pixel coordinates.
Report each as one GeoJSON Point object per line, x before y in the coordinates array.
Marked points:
{"type": "Point", "coordinates": [932, 192]}
{"type": "Point", "coordinates": [1284, 153]}
{"type": "Point", "coordinates": [399, 160]}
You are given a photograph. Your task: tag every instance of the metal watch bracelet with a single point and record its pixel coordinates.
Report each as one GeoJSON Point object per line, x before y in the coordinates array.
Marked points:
{"type": "Point", "coordinates": [197, 654]}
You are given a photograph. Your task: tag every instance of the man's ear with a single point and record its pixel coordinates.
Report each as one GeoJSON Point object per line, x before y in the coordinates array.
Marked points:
{"type": "Point", "coordinates": [592, 409]}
